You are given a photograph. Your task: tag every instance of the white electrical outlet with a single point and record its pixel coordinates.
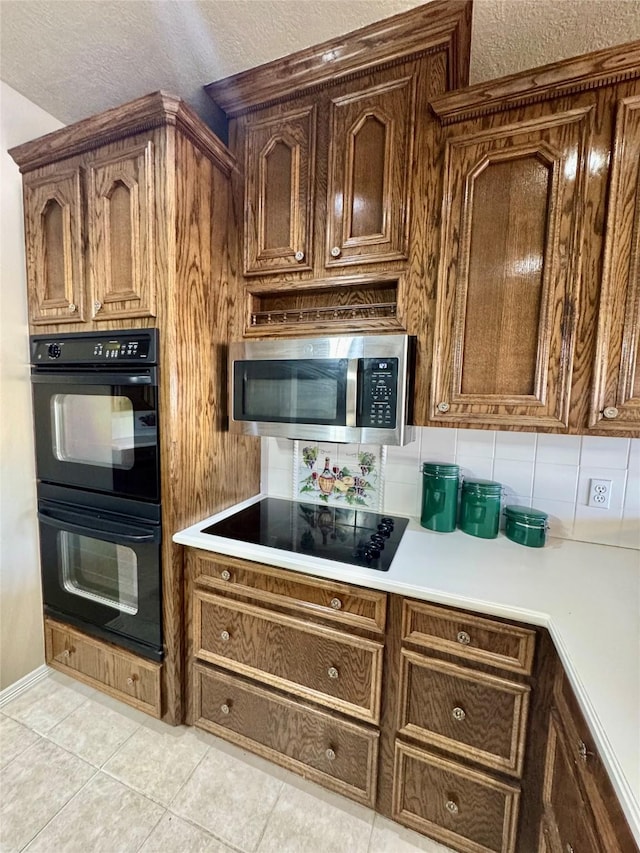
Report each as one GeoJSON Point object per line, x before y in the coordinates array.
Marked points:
{"type": "Point", "coordinates": [600, 493]}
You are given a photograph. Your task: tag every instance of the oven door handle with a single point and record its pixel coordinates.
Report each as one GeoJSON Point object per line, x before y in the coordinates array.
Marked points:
{"type": "Point", "coordinates": [96, 378]}
{"type": "Point", "coordinates": [115, 531]}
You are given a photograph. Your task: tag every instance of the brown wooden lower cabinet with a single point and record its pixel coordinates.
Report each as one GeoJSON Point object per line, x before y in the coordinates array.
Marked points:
{"type": "Point", "coordinates": [336, 753]}
{"type": "Point", "coordinates": [115, 671]}
{"type": "Point", "coordinates": [466, 809]}
{"type": "Point", "coordinates": [471, 734]}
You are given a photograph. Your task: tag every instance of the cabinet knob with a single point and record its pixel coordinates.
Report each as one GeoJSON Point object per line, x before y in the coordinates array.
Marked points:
{"type": "Point", "coordinates": [330, 754]}
{"type": "Point", "coordinates": [72, 308]}
{"type": "Point", "coordinates": [443, 407]}
{"type": "Point", "coordinates": [452, 807]}
{"type": "Point", "coordinates": [225, 636]}
{"type": "Point", "coordinates": [225, 708]}
{"type": "Point", "coordinates": [458, 714]}
{"type": "Point", "coordinates": [299, 256]}
{"type": "Point", "coordinates": [463, 638]}
{"type": "Point", "coordinates": [336, 604]}
{"type": "Point", "coordinates": [68, 652]}
{"type": "Point", "coordinates": [132, 680]}
{"type": "Point", "coordinates": [336, 252]}
{"type": "Point", "coordinates": [225, 574]}
{"type": "Point", "coordinates": [568, 848]}
{"type": "Point", "coordinates": [97, 306]}
{"type": "Point", "coordinates": [332, 672]}
{"type": "Point", "coordinates": [610, 413]}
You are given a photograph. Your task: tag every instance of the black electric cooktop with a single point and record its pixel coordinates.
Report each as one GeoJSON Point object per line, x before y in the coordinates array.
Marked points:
{"type": "Point", "coordinates": [334, 533]}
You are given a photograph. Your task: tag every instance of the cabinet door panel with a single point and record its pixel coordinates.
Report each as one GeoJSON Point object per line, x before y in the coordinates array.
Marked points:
{"type": "Point", "coordinates": [616, 400]}
{"type": "Point", "coordinates": [53, 226]}
{"type": "Point", "coordinates": [509, 274]}
{"type": "Point", "coordinates": [370, 153]}
{"type": "Point", "coordinates": [121, 239]}
{"type": "Point", "coordinates": [279, 175]}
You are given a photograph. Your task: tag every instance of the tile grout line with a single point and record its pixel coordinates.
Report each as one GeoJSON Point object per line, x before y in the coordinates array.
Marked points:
{"type": "Point", "coordinates": [269, 816]}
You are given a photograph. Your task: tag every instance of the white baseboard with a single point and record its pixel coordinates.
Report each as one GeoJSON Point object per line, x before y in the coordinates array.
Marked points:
{"type": "Point", "coordinates": [18, 687]}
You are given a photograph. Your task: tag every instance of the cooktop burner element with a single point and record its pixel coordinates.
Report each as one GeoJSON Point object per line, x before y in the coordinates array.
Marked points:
{"type": "Point", "coordinates": [345, 535]}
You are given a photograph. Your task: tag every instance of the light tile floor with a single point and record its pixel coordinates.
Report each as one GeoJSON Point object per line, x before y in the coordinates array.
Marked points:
{"type": "Point", "coordinates": [83, 773]}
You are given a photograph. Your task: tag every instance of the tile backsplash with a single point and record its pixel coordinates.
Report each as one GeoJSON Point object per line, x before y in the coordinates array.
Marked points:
{"type": "Point", "coordinates": [549, 472]}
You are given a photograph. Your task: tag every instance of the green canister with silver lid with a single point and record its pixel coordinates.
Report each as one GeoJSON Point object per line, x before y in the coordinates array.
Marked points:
{"type": "Point", "coordinates": [526, 525]}
{"type": "Point", "coordinates": [480, 508]}
{"type": "Point", "coordinates": [440, 481]}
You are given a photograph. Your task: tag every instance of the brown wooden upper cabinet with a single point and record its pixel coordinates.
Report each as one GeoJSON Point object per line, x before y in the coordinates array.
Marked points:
{"type": "Point", "coordinates": [536, 166]}
{"type": "Point", "coordinates": [326, 137]}
{"type": "Point", "coordinates": [89, 236]}
{"type": "Point", "coordinates": [616, 398]}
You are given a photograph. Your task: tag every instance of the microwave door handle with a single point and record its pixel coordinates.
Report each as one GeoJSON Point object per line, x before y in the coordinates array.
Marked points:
{"type": "Point", "coordinates": [353, 401]}
{"type": "Point", "coordinates": [81, 529]}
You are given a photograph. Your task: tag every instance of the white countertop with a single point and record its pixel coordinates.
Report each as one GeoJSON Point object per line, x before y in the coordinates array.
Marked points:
{"type": "Point", "coordinates": [587, 596]}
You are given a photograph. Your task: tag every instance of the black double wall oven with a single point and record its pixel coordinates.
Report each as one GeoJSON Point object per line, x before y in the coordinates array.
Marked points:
{"type": "Point", "coordinates": [95, 399]}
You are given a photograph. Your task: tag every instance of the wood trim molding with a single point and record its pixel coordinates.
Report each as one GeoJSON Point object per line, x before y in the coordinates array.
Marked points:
{"type": "Point", "coordinates": [157, 109]}
{"type": "Point", "coordinates": [558, 79]}
{"type": "Point", "coordinates": [435, 26]}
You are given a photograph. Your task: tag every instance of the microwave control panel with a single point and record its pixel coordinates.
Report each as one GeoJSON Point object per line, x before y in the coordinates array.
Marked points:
{"type": "Point", "coordinates": [378, 386]}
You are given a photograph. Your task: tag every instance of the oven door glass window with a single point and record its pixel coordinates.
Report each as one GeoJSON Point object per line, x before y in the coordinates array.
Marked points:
{"type": "Point", "coordinates": [104, 572]}
{"type": "Point", "coordinates": [95, 430]}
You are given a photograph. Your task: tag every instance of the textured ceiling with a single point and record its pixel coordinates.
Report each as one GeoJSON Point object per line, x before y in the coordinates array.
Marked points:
{"type": "Point", "coordinates": [75, 58]}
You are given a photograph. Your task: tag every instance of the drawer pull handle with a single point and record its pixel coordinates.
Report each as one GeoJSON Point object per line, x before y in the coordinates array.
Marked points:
{"type": "Point", "coordinates": [332, 672]}
{"type": "Point", "coordinates": [225, 636]}
{"type": "Point", "coordinates": [132, 680]}
{"type": "Point", "coordinates": [330, 754]}
{"type": "Point", "coordinates": [451, 807]}
{"type": "Point", "coordinates": [336, 604]}
{"type": "Point", "coordinates": [458, 714]}
{"type": "Point", "coordinates": [225, 575]}
{"type": "Point", "coordinates": [463, 638]}
{"type": "Point", "coordinates": [225, 708]}
{"type": "Point", "coordinates": [583, 752]}
{"type": "Point", "coordinates": [568, 848]}
{"type": "Point", "coordinates": [68, 652]}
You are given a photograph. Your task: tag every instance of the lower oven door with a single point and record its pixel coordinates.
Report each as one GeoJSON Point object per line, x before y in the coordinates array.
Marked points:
{"type": "Point", "coordinates": [101, 572]}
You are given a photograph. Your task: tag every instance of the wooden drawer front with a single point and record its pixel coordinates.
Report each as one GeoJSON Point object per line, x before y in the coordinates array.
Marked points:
{"type": "Point", "coordinates": [471, 637]}
{"type": "Point", "coordinates": [478, 716]}
{"type": "Point", "coordinates": [462, 808]}
{"type": "Point", "coordinates": [562, 797]}
{"type": "Point", "coordinates": [337, 754]}
{"type": "Point", "coordinates": [312, 661]}
{"type": "Point", "coordinates": [339, 602]}
{"type": "Point", "coordinates": [114, 671]}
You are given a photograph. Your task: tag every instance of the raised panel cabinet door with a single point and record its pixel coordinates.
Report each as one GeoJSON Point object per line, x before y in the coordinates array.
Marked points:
{"type": "Point", "coordinates": [616, 397]}
{"type": "Point", "coordinates": [120, 214]}
{"type": "Point", "coordinates": [279, 192]}
{"type": "Point", "coordinates": [509, 274]}
{"type": "Point", "coordinates": [370, 151]}
{"type": "Point", "coordinates": [55, 264]}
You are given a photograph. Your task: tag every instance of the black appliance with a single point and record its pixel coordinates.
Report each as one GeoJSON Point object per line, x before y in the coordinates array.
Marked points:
{"type": "Point", "coordinates": [100, 560]}
{"type": "Point", "coordinates": [98, 467]}
{"type": "Point", "coordinates": [95, 400]}
{"type": "Point", "coordinates": [343, 534]}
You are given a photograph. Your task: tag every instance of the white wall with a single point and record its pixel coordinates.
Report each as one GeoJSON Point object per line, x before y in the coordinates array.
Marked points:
{"type": "Point", "coordinates": [549, 472]}
{"type": "Point", "coordinates": [21, 640]}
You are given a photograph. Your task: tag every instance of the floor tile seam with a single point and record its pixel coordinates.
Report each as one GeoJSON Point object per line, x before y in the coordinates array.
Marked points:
{"type": "Point", "coordinates": [152, 830]}
{"type": "Point", "coordinates": [64, 805]}
{"type": "Point", "coordinates": [57, 722]}
{"type": "Point", "coordinates": [204, 830]}
{"type": "Point", "coordinates": [189, 776]}
{"type": "Point", "coordinates": [48, 737]}
{"type": "Point", "coordinates": [270, 815]}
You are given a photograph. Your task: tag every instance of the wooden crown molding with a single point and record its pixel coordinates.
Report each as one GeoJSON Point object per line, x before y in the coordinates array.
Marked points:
{"type": "Point", "coordinates": [569, 76]}
{"type": "Point", "coordinates": [146, 113]}
{"type": "Point", "coordinates": [438, 25]}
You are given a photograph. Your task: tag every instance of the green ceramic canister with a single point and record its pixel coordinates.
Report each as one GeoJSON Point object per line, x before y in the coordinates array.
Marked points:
{"type": "Point", "coordinates": [480, 508]}
{"type": "Point", "coordinates": [440, 483]}
{"type": "Point", "coordinates": [526, 525]}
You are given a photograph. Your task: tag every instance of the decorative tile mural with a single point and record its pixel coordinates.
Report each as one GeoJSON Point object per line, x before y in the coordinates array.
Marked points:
{"type": "Point", "coordinates": [338, 474]}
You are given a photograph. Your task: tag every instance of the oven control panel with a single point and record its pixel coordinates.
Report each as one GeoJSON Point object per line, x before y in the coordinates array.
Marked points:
{"type": "Point", "coordinates": [93, 348]}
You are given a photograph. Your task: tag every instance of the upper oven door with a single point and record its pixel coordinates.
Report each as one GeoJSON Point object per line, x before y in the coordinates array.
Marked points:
{"type": "Point", "coordinates": [98, 430]}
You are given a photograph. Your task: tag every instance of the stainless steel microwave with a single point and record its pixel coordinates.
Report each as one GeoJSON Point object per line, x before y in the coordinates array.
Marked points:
{"type": "Point", "coordinates": [346, 389]}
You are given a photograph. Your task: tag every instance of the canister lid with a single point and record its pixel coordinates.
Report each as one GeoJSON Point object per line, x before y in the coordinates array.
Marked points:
{"type": "Point", "coordinates": [482, 487]}
{"type": "Point", "coordinates": [527, 514]}
{"type": "Point", "coordinates": [441, 469]}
